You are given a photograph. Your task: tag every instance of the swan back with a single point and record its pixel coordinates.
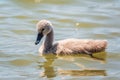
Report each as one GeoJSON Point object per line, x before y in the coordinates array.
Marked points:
{"type": "Point", "coordinates": [77, 46]}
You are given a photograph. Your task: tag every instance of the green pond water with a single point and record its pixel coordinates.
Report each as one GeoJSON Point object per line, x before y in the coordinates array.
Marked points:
{"type": "Point", "coordinates": [83, 19]}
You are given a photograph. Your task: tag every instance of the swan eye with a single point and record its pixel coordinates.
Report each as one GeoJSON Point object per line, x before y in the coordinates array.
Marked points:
{"type": "Point", "coordinates": [43, 29]}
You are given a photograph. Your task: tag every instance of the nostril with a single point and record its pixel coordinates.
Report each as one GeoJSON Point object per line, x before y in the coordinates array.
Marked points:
{"type": "Point", "coordinates": [36, 42]}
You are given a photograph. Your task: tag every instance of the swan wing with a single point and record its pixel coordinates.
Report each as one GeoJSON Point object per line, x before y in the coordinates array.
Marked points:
{"type": "Point", "coordinates": [75, 46]}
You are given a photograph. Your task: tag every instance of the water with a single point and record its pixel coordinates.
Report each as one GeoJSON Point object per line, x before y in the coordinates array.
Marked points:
{"type": "Point", "coordinates": [96, 19]}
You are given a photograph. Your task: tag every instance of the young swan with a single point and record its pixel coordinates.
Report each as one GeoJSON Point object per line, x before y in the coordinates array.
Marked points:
{"type": "Point", "coordinates": [67, 46]}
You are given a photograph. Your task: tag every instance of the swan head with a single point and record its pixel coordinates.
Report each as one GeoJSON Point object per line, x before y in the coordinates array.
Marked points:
{"type": "Point", "coordinates": [44, 27]}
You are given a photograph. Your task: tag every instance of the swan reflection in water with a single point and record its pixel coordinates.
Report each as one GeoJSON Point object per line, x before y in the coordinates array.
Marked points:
{"type": "Point", "coordinates": [51, 70]}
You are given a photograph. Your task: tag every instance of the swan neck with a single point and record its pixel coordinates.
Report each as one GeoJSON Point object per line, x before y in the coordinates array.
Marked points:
{"type": "Point", "coordinates": [49, 41]}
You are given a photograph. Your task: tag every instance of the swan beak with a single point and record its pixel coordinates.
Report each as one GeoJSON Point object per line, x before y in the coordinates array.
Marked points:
{"type": "Point", "coordinates": [39, 37]}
